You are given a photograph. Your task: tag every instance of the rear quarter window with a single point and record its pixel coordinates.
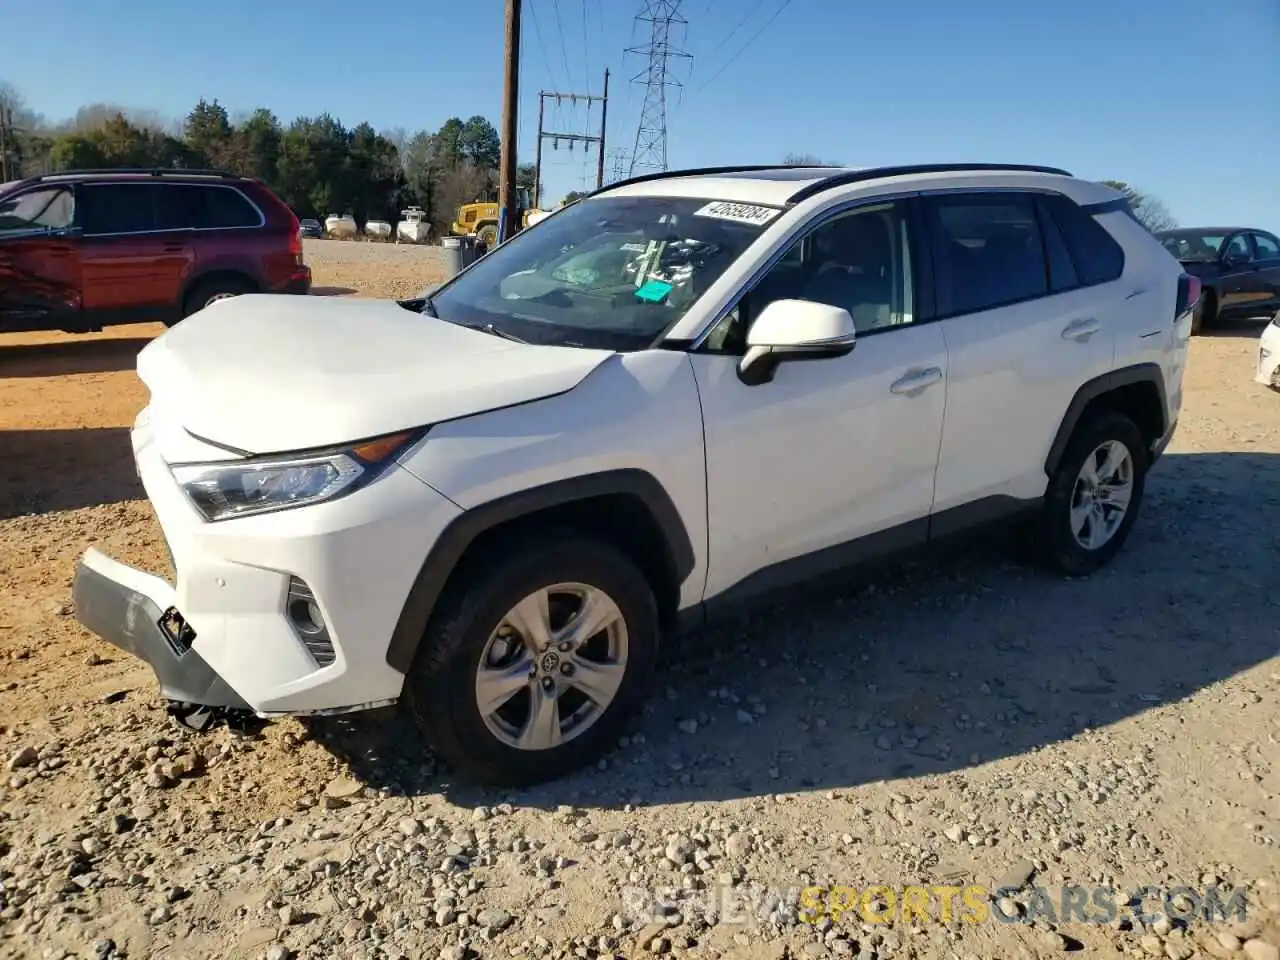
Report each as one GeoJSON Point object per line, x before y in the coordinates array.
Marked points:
{"type": "Point", "coordinates": [223, 207]}
{"type": "Point", "coordinates": [1097, 256]}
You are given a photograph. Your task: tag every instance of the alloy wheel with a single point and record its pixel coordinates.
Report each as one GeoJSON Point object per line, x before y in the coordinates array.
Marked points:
{"type": "Point", "coordinates": [552, 667]}
{"type": "Point", "coordinates": [1101, 495]}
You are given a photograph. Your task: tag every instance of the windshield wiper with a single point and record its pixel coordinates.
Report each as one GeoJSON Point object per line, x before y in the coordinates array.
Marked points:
{"type": "Point", "coordinates": [493, 329]}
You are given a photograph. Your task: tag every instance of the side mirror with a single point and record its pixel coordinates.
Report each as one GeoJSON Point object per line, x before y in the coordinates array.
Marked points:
{"type": "Point", "coordinates": [1234, 258]}
{"type": "Point", "coordinates": [794, 330]}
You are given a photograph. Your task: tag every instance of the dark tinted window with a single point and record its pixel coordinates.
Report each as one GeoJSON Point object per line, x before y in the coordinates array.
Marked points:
{"type": "Point", "coordinates": [1098, 258]}
{"type": "Point", "coordinates": [1268, 247]}
{"type": "Point", "coordinates": [224, 207]}
{"type": "Point", "coordinates": [196, 206]}
{"type": "Point", "coordinates": [1062, 271]}
{"type": "Point", "coordinates": [988, 252]}
{"type": "Point", "coordinates": [117, 207]}
{"type": "Point", "coordinates": [49, 208]}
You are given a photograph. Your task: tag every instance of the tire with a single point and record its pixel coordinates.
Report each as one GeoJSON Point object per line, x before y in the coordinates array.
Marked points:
{"type": "Point", "coordinates": [467, 631]}
{"type": "Point", "coordinates": [1206, 311]}
{"type": "Point", "coordinates": [1056, 542]}
{"type": "Point", "coordinates": [488, 234]}
{"type": "Point", "coordinates": [208, 291]}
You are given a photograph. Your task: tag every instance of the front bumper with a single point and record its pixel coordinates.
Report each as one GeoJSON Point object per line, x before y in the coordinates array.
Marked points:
{"type": "Point", "coordinates": [1159, 447]}
{"type": "Point", "coordinates": [128, 608]}
{"type": "Point", "coordinates": [240, 583]}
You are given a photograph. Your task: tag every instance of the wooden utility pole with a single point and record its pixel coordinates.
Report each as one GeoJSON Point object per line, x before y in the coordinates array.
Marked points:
{"type": "Point", "coordinates": [508, 214]}
{"type": "Point", "coordinates": [572, 138]}
{"type": "Point", "coordinates": [604, 112]}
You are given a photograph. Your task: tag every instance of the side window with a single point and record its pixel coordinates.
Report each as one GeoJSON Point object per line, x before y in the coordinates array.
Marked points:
{"type": "Point", "coordinates": [221, 207]}
{"type": "Point", "coordinates": [117, 208]}
{"type": "Point", "coordinates": [860, 261]}
{"type": "Point", "coordinates": [1238, 246]}
{"type": "Point", "coordinates": [1098, 258]}
{"type": "Point", "coordinates": [177, 206]}
{"type": "Point", "coordinates": [988, 252]}
{"type": "Point", "coordinates": [48, 208]}
{"type": "Point", "coordinates": [1268, 246]}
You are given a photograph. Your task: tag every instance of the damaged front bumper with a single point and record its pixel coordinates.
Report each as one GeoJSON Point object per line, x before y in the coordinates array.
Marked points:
{"type": "Point", "coordinates": [135, 612]}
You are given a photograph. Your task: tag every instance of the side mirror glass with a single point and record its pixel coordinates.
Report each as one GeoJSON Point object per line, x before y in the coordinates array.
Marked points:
{"type": "Point", "coordinates": [794, 330]}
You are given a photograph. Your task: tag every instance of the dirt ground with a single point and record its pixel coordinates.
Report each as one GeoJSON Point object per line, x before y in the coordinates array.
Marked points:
{"type": "Point", "coordinates": [944, 723]}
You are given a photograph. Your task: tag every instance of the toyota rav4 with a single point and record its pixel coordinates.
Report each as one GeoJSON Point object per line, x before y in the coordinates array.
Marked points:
{"type": "Point", "coordinates": [666, 400]}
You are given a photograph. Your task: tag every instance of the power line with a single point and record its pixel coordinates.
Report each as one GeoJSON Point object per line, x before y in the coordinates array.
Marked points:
{"type": "Point", "coordinates": [586, 47]}
{"type": "Point", "coordinates": [741, 23]}
{"type": "Point", "coordinates": [538, 32]}
{"type": "Point", "coordinates": [754, 37]}
{"type": "Point", "coordinates": [568, 74]}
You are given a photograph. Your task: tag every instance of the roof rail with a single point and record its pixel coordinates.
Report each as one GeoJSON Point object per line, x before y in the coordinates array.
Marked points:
{"type": "Point", "coordinates": [147, 171]}
{"type": "Point", "coordinates": [712, 171]}
{"type": "Point", "coordinates": [876, 173]}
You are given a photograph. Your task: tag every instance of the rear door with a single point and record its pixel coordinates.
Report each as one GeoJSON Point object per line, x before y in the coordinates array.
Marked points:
{"type": "Point", "coordinates": [1266, 248]}
{"type": "Point", "coordinates": [1021, 338]}
{"type": "Point", "coordinates": [1239, 274]}
{"type": "Point", "coordinates": [136, 252]}
{"type": "Point", "coordinates": [39, 260]}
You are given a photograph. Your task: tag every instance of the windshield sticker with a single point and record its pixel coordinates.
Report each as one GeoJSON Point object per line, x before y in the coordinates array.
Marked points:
{"type": "Point", "coordinates": [738, 212]}
{"type": "Point", "coordinates": [653, 291]}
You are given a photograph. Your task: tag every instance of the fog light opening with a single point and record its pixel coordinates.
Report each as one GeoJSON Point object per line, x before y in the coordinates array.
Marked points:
{"type": "Point", "coordinates": [308, 622]}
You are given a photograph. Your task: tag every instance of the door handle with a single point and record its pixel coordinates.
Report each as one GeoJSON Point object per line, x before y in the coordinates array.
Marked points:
{"type": "Point", "coordinates": [1081, 330]}
{"type": "Point", "coordinates": [915, 380]}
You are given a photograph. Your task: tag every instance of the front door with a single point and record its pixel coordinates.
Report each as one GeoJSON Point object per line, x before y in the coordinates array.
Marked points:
{"type": "Point", "coordinates": [133, 266]}
{"type": "Point", "coordinates": [835, 458]}
{"type": "Point", "coordinates": [1240, 277]}
{"type": "Point", "coordinates": [39, 261]}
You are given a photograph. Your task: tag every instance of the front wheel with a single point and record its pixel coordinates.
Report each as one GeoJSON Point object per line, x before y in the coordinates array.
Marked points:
{"type": "Point", "coordinates": [534, 667]}
{"type": "Point", "coordinates": [1093, 497]}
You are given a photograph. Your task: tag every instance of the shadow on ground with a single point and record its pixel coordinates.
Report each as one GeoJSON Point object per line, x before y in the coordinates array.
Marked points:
{"type": "Point", "coordinates": [71, 356]}
{"type": "Point", "coordinates": [42, 471]}
{"type": "Point", "coordinates": [1249, 328]}
{"type": "Point", "coordinates": [930, 667]}
{"type": "Point", "coordinates": [331, 291]}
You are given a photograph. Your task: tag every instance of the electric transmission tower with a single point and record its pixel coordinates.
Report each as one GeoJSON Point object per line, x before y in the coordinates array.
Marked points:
{"type": "Point", "coordinates": [650, 152]}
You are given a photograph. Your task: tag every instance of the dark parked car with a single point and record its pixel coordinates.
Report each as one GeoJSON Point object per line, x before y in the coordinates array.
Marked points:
{"type": "Point", "coordinates": [1239, 268]}
{"type": "Point", "coordinates": [312, 228]}
{"type": "Point", "coordinates": [84, 249]}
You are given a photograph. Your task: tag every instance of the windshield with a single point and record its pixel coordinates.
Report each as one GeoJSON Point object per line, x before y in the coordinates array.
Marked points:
{"type": "Point", "coordinates": [611, 273]}
{"type": "Point", "coordinates": [1200, 247]}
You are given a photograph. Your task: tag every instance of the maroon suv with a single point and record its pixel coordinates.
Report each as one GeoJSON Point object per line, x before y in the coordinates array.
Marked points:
{"type": "Point", "coordinates": [84, 249]}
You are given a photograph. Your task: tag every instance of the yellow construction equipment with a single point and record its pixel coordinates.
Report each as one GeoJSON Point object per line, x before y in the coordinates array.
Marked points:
{"type": "Point", "coordinates": [480, 219]}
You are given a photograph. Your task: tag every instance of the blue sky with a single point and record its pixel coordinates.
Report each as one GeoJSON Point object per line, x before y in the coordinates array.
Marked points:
{"type": "Point", "coordinates": [1178, 97]}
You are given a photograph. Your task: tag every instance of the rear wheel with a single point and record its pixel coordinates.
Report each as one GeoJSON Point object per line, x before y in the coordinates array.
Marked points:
{"type": "Point", "coordinates": [1093, 497]}
{"type": "Point", "coordinates": [533, 668]}
{"type": "Point", "coordinates": [211, 291]}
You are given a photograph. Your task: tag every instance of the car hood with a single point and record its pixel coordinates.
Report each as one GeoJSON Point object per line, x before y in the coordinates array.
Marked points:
{"type": "Point", "coordinates": [268, 374]}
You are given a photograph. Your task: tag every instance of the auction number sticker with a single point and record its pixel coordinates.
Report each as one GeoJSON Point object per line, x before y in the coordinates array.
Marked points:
{"type": "Point", "coordinates": [738, 212]}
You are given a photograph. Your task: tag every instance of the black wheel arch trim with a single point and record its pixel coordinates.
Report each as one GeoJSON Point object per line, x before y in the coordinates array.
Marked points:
{"type": "Point", "coordinates": [204, 276]}
{"type": "Point", "coordinates": [463, 530]}
{"type": "Point", "coordinates": [1100, 386]}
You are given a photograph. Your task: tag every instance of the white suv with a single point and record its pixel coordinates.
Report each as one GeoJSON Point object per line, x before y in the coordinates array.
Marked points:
{"type": "Point", "coordinates": [664, 400]}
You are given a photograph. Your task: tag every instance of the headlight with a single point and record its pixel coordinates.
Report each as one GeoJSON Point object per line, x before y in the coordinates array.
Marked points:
{"type": "Point", "coordinates": [262, 484]}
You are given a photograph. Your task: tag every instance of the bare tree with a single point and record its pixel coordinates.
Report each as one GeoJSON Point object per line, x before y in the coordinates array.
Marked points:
{"type": "Point", "coordinates": [803, 160]}
{"type": "Point", "coordinates": [1148, 210]}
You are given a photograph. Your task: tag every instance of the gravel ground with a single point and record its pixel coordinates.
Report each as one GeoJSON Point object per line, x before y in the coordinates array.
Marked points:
{"type": "Point", "coordinates": [945, 723]}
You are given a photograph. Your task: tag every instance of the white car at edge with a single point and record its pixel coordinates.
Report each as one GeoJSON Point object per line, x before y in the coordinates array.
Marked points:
{"type": "Point", "coordinates": [1268, 372]}
{"type": "Point", "coordinates": [666, 401]}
